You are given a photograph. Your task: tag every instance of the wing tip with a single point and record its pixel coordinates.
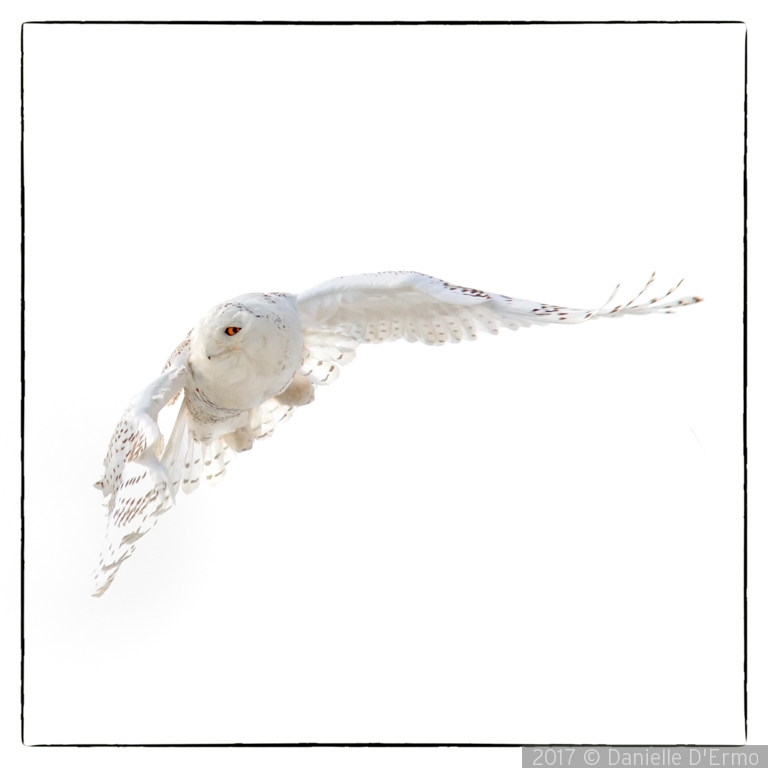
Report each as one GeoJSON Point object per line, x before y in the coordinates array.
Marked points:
{"type": "Point", "coordinates": [103, 582]}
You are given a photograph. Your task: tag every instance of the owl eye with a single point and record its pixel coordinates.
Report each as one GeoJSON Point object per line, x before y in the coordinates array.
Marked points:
{"type": "Point", "coordinates": [232, 330]}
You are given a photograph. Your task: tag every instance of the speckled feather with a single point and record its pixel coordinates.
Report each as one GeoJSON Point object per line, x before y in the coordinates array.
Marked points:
{"type": "Point", "coordinates": [135, 481]}
{"type": "Point", "coordinates": [238, 388]}
{"type": "Point", "coordinates": [385, 306]}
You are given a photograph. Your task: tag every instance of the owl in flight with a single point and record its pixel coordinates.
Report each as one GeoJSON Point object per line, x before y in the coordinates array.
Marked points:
{"type": "Point", "coordinates": [251, 361]}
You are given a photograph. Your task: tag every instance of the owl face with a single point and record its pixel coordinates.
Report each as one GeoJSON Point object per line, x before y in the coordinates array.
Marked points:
{"type": "Point", "coordinates": [231, 329]}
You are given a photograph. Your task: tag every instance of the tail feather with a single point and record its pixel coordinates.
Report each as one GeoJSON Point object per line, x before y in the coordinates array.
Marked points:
{"type": "Point", "coordinates": [215, 456]}
{"type": "Point", "coordinates": [189, 461]}
{"type": "Point", "coordinates": [192, 470]}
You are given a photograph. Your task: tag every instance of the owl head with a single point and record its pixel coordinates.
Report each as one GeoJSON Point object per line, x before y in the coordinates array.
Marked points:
{"type": "Point", "coordinates": [231, 328]}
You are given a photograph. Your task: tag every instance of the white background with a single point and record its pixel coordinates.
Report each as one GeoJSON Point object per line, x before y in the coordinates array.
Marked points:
{"type": "Point", "coordinates": [522, 540]}
{"type": "Point", "coordinates": [336, 608]}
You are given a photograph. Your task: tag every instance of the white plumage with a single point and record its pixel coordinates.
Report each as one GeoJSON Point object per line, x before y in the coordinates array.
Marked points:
{"type": "Point", "coordinates": [251, 361]}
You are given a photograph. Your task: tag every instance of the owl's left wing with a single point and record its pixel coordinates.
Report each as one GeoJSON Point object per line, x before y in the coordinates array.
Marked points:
{"type": "Point", "coordinates": [135, 480]}
{"type": "Point", "coordinates": [342, 313]}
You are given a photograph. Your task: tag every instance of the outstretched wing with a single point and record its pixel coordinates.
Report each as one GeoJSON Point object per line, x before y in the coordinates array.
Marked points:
{"type": "Point", "coordinates": [141, 479]}
{"type": "Point", "coordinates": [342, 313]}
{"type": "Point", "coordinates": [135, 480]}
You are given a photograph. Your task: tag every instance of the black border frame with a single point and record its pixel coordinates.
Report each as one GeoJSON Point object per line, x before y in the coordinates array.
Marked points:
{"type": "Point", "coordinates": [385, 23]}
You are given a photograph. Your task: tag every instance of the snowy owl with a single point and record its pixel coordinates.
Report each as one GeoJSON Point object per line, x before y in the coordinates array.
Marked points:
{"type": "Point", "coordinates": [251, 361]}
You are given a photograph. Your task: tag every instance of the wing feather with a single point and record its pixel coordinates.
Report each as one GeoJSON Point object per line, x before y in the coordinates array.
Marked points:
{"type": "Point", "coordinates": [386, 306]}
{"type": "Point", "coordinates": [377, 307]}
{"type": "Point", "coordinates": [135, 481]}
{"type": "Point", "coordinates": [267, 416]}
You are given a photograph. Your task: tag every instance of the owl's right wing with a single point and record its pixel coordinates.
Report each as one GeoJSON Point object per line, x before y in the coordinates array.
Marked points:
{"type": "Point", "coordinates": [135, 481]}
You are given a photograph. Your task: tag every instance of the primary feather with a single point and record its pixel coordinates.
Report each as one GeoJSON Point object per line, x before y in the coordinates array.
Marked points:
{"type": "Point", "coordinates": [239, 386]}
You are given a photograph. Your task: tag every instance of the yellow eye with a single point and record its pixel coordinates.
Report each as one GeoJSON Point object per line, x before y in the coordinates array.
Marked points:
{"type": "Point", "coordinates": [232, 330]}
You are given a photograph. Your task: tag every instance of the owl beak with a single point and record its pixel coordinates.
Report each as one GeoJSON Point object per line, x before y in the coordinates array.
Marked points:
{"type": "Point", "coordinates": [214, 351]}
